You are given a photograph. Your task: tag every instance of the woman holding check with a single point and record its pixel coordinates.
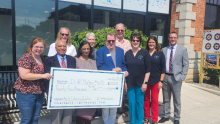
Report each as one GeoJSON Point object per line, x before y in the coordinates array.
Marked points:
{"type": "Point", "coordinates": [85, 60]}
{"type": "Point", "coordinates": [138, 65]}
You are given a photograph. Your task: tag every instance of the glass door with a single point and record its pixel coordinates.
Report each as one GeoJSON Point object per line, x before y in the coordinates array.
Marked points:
{"type": "Point", "coordinates": [158, 26]}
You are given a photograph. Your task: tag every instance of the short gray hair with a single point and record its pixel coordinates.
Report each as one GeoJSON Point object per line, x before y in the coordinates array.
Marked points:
{"type": "Point", "coordinates": [59, 41]}
{"type": "Point", "coordinates": [119, 24]}
{"type": "Point", "coordinates": [89, 34]}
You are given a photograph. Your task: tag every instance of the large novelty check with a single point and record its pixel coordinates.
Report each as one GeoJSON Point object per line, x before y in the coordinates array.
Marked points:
{"type": "Point", "coordinates": [76, 88]}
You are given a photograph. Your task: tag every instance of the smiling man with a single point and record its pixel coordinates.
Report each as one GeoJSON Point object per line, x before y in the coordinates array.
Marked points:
{"type": "Point", "coordinates": [110, 58]}
{"type": "Point", "coordinates": [60, 60]}
{"type": "Point", "coordinates": [120, 41]}
{"type": "Point", "coordinates": [177, 64]}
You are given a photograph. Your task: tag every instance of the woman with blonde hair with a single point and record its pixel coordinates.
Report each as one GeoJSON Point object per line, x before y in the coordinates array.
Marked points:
{"type": "Point", "coordinates": [65, 35]}
{"type": "Point", "coordinates": [29, 85]}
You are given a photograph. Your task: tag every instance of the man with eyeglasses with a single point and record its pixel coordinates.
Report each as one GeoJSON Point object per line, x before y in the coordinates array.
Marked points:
{"type": "Point", "coordinates": [110, 58]}
{"type": "Point", "coordinates": [177, 64]}
{"type": "Point", "coordinates": [120, 41]}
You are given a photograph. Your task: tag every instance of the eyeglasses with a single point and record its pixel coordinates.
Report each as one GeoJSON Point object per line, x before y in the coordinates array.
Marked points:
{"type": "Point", "coordinates": [64, 34]}
{"type": "Point", "coordinates": [37, 47]}
{"type": "Point", "coordinates": [120, 30]}
{"type": "Point", "coordinates": [91, 39]}
{"type": "Point", "coordinates": [173, 38]}
{"type": "Point", "coordinates": [109, 41]}
{"type": "Point", "coordinates": [135, 40]}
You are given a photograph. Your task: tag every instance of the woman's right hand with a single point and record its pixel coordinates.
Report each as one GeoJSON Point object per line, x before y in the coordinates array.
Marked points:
{"type": "Point", "coordinates": [47, 76]}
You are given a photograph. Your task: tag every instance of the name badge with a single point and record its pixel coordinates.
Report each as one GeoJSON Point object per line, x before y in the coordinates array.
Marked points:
{"type": "Point", "coordinates": [108, 55]}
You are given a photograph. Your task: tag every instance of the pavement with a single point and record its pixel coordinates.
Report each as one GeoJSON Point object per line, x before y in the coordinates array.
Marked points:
{"type": "Point", "coordinates": [199, 106]}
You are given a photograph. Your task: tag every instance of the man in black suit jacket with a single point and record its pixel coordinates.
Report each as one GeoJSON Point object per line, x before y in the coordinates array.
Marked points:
{"type": "Point", "coordinates": [60, 60]}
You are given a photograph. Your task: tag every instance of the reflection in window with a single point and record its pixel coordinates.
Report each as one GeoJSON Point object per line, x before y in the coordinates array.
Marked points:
{"type": "Point", "coordinates": [157, 29]}
{"type": "Point", "coordinates": [74, 16]}
{"type": "Point", "coordinates": [5, 33]}
{"type": "Point", "coordinates": [32, 20]}
{"type": "Point", "coordinates": [105, 17]}
{"type": "Point", "coordinates": [134, 20]}
{"type": "Point", "coordinates": [212, 17]}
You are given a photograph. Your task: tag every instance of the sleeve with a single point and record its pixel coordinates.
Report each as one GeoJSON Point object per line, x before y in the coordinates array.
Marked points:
{"type": "Point", "coordinates": [124, 68]}
{"type": "Point", "coordinates": [74, 51]}
{"type": "Point", "coordinates": [185, 64]}
{"type": "Point", "coordinates": [47, 67]}
{"type": "Point", "coordinates": [77, 63]}
{"type": "Point", "coordinates": [163, 63]}
{"type": "Point", "coordinates": [52, 50]}
{"type": "Point", "coordinates": [25, 61]}
{"type": "Point", "coordinates": [147, 62]}
{"type": "Point", "coordinates": [100, 61]}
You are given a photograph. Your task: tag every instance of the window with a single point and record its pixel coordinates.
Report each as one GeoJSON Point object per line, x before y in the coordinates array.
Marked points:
{"type": "Point", "coordinates": [105, 17]}
{"type": "Point", "coordinates": [212, 17]}
{"type": "Point", "coordinates": [5, 33]}
{"type": "Point", "coordinates": [74, 16]}
{"type": "Point", "coordinates": [134, 20]}
{"type": "Point", "coordinates": [33, 19]}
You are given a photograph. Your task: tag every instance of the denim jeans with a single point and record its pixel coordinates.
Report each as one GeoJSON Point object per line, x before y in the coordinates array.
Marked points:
{"type": "Point", "coordinates": [29, 106]}
{"type": "Point", "coordinates": [136, 105]}
{"type": "Point", "coordinates": [109, 115]}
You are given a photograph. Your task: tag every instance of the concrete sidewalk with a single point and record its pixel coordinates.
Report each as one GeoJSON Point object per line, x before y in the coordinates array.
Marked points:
{"type": "Point", "coordinates": [198, 107]}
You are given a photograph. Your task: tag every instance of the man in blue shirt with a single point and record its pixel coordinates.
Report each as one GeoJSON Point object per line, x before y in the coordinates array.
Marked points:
{"type": "Point", "coordinates": [60, 60]}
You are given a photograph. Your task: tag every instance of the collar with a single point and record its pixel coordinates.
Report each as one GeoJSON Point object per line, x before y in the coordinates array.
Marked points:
{"type": "Point", "coordinates": [119, 41]}
{"type": "Point", "coordinates": [174, 47]}
{"type": "Point", "coordinates": [59, 56]}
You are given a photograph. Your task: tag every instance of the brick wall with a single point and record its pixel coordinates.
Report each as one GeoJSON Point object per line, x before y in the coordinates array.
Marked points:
{"type": "Point", "coordinates": [198, 24]}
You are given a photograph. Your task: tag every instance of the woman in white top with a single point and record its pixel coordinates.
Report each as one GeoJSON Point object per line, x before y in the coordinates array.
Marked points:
{"type": "Point", "coordinates": [65, 35]}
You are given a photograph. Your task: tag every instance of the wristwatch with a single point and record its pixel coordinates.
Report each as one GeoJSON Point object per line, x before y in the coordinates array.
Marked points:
{"type": "Point", "coordinates": [161, 81]}
{"type": "Point", "coordinates": [146, 82]}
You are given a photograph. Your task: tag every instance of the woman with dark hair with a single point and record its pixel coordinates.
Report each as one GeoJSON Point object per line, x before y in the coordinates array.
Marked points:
{"type": "Point", "coordinates": [29, 85]}
{"type": "Point", "coordinates": [138, 65]}
{"type": "Point", "coordinates": [85, 60]}
{"type": "Point", "coordinates": [155, 82]}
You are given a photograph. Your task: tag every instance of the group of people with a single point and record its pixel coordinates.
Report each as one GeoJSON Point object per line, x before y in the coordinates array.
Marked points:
{"type": "Point", "coordinates": [146, 72]}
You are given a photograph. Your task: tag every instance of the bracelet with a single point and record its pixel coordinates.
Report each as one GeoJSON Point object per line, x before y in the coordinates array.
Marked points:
{"type": "Point", "coordinates": [146, 82]}
{"type": "Point", "coordinates": [161, 81]}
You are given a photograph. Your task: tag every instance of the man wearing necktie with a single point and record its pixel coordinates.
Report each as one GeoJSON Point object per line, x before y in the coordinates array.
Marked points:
{"type": "Point", "coordinates": [177, 64]}
{"type": "Point", "coordinates": [60, 60]}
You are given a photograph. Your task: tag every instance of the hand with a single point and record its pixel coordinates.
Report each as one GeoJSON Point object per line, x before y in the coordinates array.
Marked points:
{"type": "Point", "coordinates": [47, 76]}
{"type": "Point", "coordinates": [126, 87]}
{"type": "Point", "coordinates": [117, 69]}
{"type": "Point", "coordinates": [160, 85]}
{"type": "Point", "coordinates": [126, 74]}
{"type": "Point", "coordinates": [144, 87]}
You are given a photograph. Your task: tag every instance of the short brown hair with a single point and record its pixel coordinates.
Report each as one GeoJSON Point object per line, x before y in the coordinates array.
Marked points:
{"type": "Point", "coordinates": [137, 35]}
{"type": "Point", "coordinates": [173, 33]}
{"type": "Point", "coordinates": [157, 45]}
{"type": "Point", "coordinates": [111, 34]}
{"type": "Point", "coordinates": [35, 41]}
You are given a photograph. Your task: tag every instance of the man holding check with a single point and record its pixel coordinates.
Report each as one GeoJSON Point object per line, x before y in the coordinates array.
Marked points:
{"type": "Point", "coordinates": [110, 58]}
{"type": "Point", "coordinates": [60, 60]}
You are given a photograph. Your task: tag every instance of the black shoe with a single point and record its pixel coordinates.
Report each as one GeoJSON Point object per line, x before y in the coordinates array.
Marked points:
{"type": "Point", "coordinates": [176, 122]}
{"type": "Point", "coordinates": [162, 120]}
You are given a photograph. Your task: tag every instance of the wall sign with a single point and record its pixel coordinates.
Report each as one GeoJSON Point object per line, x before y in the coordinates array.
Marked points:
{"type": "Point", "coordinates": [211, 41]}
{"type": "Point", "coordinates": [80, 1]}
{"type": "Point", "coordinates": [108, 3]}
{"type": "Point", "coordinates": [136, 5]}
{"type": "Point", "coordinates": [159, 6]}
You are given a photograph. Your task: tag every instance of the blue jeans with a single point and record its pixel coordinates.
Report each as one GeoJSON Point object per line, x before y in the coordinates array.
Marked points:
{"type": "Point", "coordinates": [109, 115]}
{"type": "Point", "coordinates": [136, 105]}
{"type": "Point", "coordinates": [29, 106]}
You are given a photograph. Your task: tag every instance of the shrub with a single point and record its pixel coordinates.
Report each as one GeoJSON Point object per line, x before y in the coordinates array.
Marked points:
{"type": "Point", "coordinates": [100, 34]}
{"type": "Point", "coordinates": [212, 74]}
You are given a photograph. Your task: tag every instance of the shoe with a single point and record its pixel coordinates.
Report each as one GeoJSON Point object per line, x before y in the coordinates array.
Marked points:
{"type": "Point", "coordinates": [162, 120]}
{"type": "Point", "coordinates": [176, 122]}
{"type": "Point", "coordinates": [154, 123]}
{"type": "Point", "coordinates": [146, 121]}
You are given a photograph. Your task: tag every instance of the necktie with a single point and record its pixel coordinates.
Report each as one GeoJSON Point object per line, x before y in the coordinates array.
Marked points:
{"type": "Point", "coordinates": [171, 60]}
{"type": "Point", "coordinates": [63, 63]}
